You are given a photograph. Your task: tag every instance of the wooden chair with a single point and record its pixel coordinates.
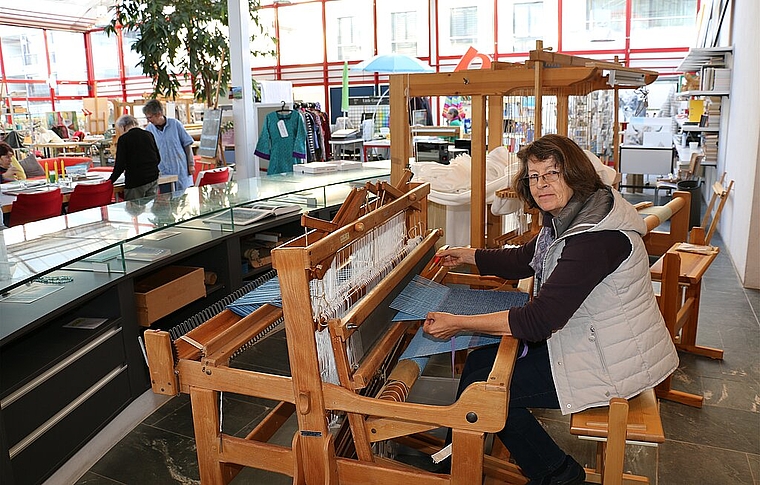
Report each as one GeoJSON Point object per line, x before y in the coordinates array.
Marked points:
{"type": "Point", "coordinates": [36, 206]}
{"type": "Point", "coordinates": [215, 176]}
{"type": "Point", "coordinates": [86, 196]}
{"type": "Point", "coordinates": [636, 419]}
{"type": "Point", "coordinates": [671, 184]}
{"type": "Point", "coordinates": [703, 234]}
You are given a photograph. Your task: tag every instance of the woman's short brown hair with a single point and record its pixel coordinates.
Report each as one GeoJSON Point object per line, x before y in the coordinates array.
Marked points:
{"type": "Point", "coordinates": [5, 149]}
{"type": "Point", "coordinates": [573, 164]}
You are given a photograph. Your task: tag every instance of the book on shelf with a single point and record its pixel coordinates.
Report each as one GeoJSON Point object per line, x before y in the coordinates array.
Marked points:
{"type": "Point", "coordinates": [248, 215]}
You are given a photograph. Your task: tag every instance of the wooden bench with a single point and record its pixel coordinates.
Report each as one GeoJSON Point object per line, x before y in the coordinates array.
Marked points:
{"type": "Point", "coordinates": [635, 420]}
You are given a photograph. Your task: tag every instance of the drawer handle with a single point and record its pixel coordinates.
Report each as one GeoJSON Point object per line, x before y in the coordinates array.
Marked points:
{"type": "Point", "coordinates": [29, 386]}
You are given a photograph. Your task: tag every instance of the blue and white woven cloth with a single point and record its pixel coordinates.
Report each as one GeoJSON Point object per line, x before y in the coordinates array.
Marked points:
{"type": "Point", "coordinates": [422, 296]}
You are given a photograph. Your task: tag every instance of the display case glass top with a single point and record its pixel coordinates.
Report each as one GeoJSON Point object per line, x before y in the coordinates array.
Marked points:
{"type": "Point", "coordinates": [41, 247]}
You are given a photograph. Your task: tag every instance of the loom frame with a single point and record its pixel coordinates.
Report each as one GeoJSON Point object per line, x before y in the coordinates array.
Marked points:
{"type": "Point", "coordinates": [544, 73]}
{"type": "Point", "coordinates": [199, 366]}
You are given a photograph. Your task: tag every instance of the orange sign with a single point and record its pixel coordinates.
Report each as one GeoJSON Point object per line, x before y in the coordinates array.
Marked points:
{"type": "Point", "coordinates": [470, 56]}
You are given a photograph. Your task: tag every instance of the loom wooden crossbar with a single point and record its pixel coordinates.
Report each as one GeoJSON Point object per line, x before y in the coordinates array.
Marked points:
{"type": "Point", "coordinates": [677, 212]}
{"type": "Point", "coordinates": [374, 407]}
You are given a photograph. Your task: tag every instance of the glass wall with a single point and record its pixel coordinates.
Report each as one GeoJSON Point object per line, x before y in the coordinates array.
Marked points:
{"type": "Point", "coordinates": [315, 37]}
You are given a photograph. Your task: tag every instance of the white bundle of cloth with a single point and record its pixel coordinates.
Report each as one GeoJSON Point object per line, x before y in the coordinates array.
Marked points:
{"type": "Point", "coordinates": [450, 184]}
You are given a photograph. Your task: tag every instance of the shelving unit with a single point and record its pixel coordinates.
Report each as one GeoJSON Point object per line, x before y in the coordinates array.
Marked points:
{"type": "Point", "coordinates": [707, 61]}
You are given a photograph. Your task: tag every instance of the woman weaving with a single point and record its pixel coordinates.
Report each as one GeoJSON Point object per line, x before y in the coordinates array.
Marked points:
{"type": "Point", "coordinates": [592, 331]}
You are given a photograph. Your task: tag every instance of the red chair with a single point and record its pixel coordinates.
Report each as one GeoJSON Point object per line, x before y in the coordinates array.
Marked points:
{"type": "Point", "coordinates": [36, 206]}
{"type": "Point", "coordinates": [215, 176]}
{"type": "Point", "coordinates": [87, 195]}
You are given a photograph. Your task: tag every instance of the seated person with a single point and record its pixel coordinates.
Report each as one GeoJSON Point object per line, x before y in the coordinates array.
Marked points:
{"type": "Point", "coordinates": [453, 117]}
{"type": "Point", "coordinates": [10, 169]}
{"type": "Point", "coordinates": [137, 156]}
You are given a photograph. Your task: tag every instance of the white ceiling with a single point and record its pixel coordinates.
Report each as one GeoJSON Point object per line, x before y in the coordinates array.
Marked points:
{"type": "Point", "coordinates": [72, 15]}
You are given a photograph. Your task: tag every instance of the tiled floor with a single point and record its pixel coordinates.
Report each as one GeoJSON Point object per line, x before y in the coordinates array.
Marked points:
{"type": "Point", "coordinates": [718, 444]}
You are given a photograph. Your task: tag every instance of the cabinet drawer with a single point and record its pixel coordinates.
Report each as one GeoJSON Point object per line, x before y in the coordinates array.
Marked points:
{"type": "Point", "coordinates": [36, 460]}
{"type": "Point", "coordinates": [167, 290]}
{"type": "Point", "coordinates": [40, 399]}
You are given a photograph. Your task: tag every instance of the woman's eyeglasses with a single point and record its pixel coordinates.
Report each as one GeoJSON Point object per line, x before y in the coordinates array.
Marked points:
{"type": "Point", "coordinates": [548, 177]}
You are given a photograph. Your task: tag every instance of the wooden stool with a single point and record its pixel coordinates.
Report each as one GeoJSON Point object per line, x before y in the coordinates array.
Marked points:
{"type": "Point", "coordinates": [636, 420]}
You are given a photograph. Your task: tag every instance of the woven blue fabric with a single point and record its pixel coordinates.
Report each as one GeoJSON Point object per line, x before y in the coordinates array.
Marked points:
{"type": "Point", "coordinates": [268, 292]}
{"type": "Point", "coordinates": [422, 296]}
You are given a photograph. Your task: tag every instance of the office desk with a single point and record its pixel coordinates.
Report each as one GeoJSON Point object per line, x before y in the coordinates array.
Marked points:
{"type": "Point", "coordinates": [52, 149]}
{"type": "Point", "coordinates": [346, 149]}
{"type": "Point", "coordinates": [382, 144]}
{"type": "Point", "coordinates": [638, 160]}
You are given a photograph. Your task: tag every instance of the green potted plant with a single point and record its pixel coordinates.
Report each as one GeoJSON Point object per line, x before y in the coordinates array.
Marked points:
{"type": "Point", "coordinates": [181, 39]}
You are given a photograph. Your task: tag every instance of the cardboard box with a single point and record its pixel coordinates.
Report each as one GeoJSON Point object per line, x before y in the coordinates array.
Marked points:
{"type": "Point", "coordinates": [167, 290]}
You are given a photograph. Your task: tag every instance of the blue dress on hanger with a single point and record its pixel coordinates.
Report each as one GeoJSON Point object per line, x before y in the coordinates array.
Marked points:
{"type": "Point", "coordinates": [282, 141]}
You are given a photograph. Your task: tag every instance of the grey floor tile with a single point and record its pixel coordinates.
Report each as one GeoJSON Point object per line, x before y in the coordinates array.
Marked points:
{"type": "Point", "coordinates": [91, 478]}
{"type": "Point", "coordinates": [754, 465]}
{"type": "Point", "coordinates": [688, 464]}
{"type": "Point", "coordinates": [721, 427]}
{"type": "Point", "coordinates": [150, 455]}
{"type": "Point", "coordinates": [170, 407]}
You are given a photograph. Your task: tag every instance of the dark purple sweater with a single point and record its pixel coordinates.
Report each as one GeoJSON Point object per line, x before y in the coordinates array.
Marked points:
{"type": "Point", "coordinates": [586, 260]}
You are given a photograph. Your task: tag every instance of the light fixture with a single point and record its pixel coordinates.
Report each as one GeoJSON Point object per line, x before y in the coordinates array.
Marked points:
{"type": "Point", "coordinates": [625, 78]}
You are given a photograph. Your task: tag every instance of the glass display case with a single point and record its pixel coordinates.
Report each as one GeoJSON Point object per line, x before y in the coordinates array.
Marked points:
{"type": "Point", "coordinates": [107, 233]}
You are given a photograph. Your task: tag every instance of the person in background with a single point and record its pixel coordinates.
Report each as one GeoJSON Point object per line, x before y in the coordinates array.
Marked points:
{"type": "Point", "coordinates": [592, 331]}
{"type": "Point", "coordinates": [174, 143]}
{"type": "Point", "coordinates": [10, 169]}
{"type": "Point", "coordinates": [452, 115]}
{"type": "Point", "coordinates": [136, 154]}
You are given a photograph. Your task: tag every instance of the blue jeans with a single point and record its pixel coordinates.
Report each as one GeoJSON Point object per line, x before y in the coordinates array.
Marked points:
{"type": "Point", "coordinates": [532, 387]}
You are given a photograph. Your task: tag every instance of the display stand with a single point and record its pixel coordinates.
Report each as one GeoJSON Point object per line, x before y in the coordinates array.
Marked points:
{"type": "Point", "coordinates": [210, 149]}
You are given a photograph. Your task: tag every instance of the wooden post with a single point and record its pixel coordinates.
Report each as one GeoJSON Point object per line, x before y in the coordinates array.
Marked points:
{"type": "Point", "coordinates": [478, 173]}
{"type": "Point", "coordinates": [537, 87]}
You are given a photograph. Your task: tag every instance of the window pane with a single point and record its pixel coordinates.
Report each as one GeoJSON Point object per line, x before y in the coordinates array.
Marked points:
{"type": "Point", "coordinates": [105, 55]}
{"type": "Point", "coordinates": [656, 23]}
{"type": "Point", "coordinates": [300, 42]}
{"type": "Point", "coordinates": [464, 24]}
{"type": "Point", "coordinates": [349, 30]}
{"type": "Point", "coordinates": [523, 22]}
{"type": "Point", "coordinates": [402, 27]}
{"type": "Point", "coordinates": [68, 60]}
{"type": "Point", "coordinates": [131, 58]}
{"type": "Point", "coordinates": [593, 24]}
{"type": "Point", "coordinates": [24, 54]}
{"type": "Point", "coordinates": [260, 43]}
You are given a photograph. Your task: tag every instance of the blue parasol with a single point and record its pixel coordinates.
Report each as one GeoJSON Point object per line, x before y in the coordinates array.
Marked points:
{"type": "Point", "coordinates": [393, 63]}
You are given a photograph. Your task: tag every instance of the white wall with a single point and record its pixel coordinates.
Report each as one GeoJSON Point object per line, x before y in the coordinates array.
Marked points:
{"type": "Point", "coordinates": [740, 220]}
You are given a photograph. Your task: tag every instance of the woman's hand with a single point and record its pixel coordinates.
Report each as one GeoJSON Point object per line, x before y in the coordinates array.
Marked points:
{"type": "Point", "coordinates": [441, 325]}
{"type": "Point", "coordinates": [455, 256]}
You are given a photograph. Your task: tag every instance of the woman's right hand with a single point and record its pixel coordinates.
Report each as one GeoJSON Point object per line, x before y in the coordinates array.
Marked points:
{"type": "Point", "coordinates": [455, 256]}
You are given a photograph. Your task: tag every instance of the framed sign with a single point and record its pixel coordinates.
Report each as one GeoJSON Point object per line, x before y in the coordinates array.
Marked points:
{"type": "Point", "coordinates": [212, 122]}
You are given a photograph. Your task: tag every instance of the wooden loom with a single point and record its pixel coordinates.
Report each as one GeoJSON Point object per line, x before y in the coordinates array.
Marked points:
{"type": "Point", "coordinates": [544, 74]}
{"type": "Point", "coordinates": [374, 408]}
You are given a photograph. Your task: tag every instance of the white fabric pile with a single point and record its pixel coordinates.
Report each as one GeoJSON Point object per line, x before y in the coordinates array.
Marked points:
{"type": "Point", "coordinates": [450, 184]}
